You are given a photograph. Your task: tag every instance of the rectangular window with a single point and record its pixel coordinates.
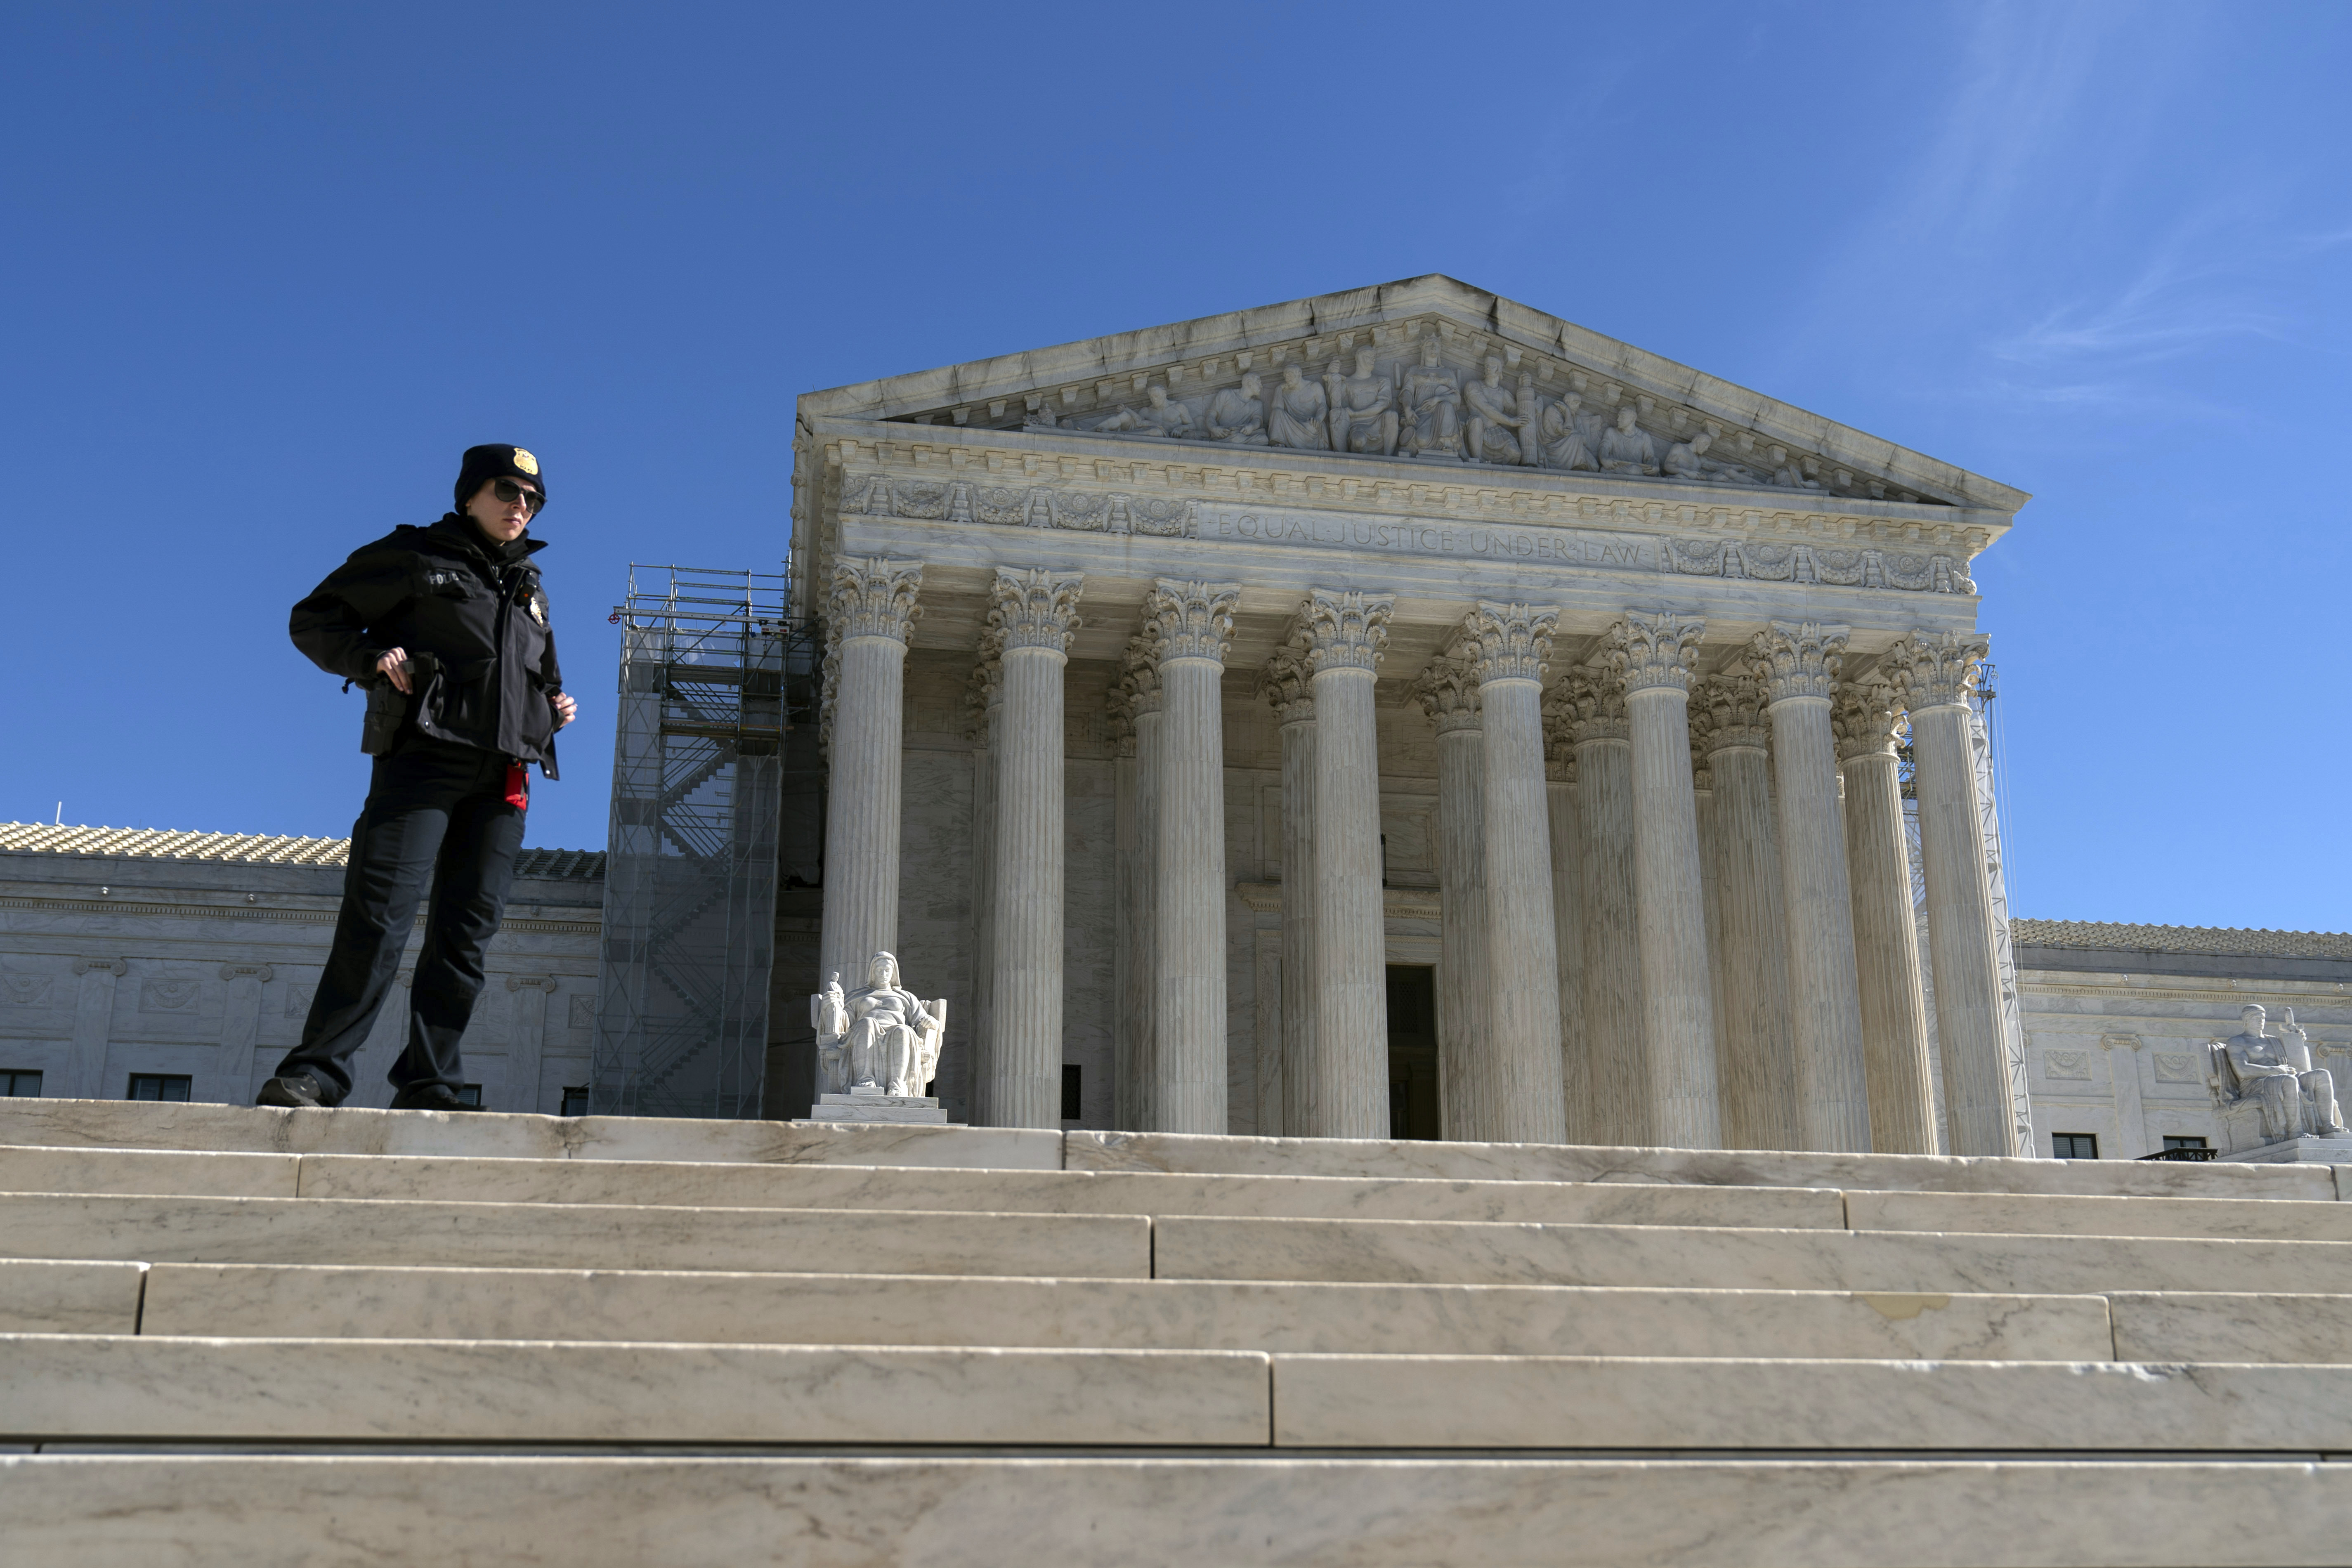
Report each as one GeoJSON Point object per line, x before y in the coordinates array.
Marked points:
{"type": "Point", "coordinates": [575, 1099]}
{"type": "Point", "coordinates": [2172, 1142]}
{"type": "Point", "coordinates": [470, 1094]}
{"type": "Point", "coordinates": [1071, 1091]}
{"type": "Point", "coordinates": [2073, 1146]}
{"type": "Point", "coordinates": [159, 1086]}
{"type": "Point", "coordinates": [16, 1081]}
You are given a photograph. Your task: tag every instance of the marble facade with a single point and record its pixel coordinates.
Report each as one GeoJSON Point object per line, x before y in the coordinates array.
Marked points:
{"type": "Point", "coordinates": [1380, 590]}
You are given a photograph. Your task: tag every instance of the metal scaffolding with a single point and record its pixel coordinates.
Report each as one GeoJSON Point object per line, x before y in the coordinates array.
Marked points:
{"type": "Point", "coordinates": [690, 872]}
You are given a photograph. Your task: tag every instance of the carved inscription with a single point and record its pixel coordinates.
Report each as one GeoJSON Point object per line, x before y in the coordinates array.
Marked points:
{"type": "Point", "coordinates": [1415, 536]}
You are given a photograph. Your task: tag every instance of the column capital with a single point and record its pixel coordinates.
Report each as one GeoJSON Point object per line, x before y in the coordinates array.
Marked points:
{"type": "Point", "coordinates": [1508, 642]}
{"type": "Point", "coordinates": [1800, 659]}
{"type": "Point", "coordinates": [1344, 630]}
{"type": "Point", "coordinates": [1702, 775]}
{"type": "Point", "coordinates": [984, 689]}
{"type": "Point", "coordinates": [1190, 620]}
{"type": "Point", "coordinates": [1035, 609]}
{"type": "Point", "coordinates": [1288, 682]}
{"type": "Point", "coordinates": [1137, 685]}
{"type": "Point", "coordinates": [1867, 718]}
{"type": "Point", "coordinates": [1448, 692]}
{"type": "Point", "coordinates": [870, 596]}
{"type": "Point", "coordinates": [1936, 669]}
{"type": "Point", "coordinates": [1653, 649]}
{"type": "Point", "coordinates": [1729, 708]}
{"type": "Point", "coordinates": [1590, 702]}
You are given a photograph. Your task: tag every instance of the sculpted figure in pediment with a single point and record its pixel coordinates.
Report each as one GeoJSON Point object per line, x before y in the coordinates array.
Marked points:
{"type": "Point", "coordinates": [1492, 421]}
{"type": "Point", "coordinates": [1158, 416]}
{"type": "Point", "coordinates": [1628, 450]}
{"type": "Point", "coordinates": [1236, 416]}
{"type": "Point", "coordinates": [1041, 419]}
{"type": "Point", "coordinates": [1570, 435]}
{"type": "Point", "coordinates": [1688, 460]}
{"type": "Point", "coordinates": [1299, 414]}
{"type": "Point", "coordinates": [1432, 408]}
{"type": "Point", "coordinates": [1363, 409]}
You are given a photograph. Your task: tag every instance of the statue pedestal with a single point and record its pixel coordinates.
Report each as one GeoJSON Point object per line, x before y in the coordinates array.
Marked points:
{"type": "Point", "coordinates": [867, 1106]}
{"type": "Point", "coordinates": [2336, 1151]}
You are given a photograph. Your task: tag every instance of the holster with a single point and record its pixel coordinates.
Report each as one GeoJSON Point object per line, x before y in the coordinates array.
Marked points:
{"type": "Point", "coordinates": [388, 707]}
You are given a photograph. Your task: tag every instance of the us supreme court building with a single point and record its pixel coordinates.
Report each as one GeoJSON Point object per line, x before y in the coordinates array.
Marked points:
{"type": "Point", "coordinates": [1405, 712]}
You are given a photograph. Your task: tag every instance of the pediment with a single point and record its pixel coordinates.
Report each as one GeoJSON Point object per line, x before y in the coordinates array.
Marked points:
{"type": "Point", "coordinates": [1583, 401]}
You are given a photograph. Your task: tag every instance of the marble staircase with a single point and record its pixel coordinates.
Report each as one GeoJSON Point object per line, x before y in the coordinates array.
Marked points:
{"type": "Point", "coordinates": [357, 1336]}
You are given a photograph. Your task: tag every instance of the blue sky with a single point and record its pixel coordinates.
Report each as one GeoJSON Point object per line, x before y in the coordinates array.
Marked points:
{"type": "Point", "coordinates": [269, 269]}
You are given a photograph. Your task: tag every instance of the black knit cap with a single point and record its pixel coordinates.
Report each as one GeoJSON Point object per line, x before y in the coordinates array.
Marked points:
{"type": "Point", "coordinates": [483, 464]}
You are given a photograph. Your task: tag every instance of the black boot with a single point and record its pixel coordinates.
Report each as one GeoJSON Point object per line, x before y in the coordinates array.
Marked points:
{"type": "Point", "coordinates": [298, 1090]}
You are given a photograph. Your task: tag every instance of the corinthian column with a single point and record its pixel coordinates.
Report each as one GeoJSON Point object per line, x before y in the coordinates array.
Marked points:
{"type": "Point", "coordinates": [869, 609]}
{"type": "Point", "coordinates": [1189, 622]}
{"type": "Point", "coordinates": [1592, 715]}
{"type": "Point", "coordinates": [1137, 1069]}
{"type": "Point", "coordinates": [1653, 649]}
{"type": "Point", "coordinates": [1934, 671]}
{"type": "Point", "coordinates": [1288, 683]}
{"type": "Point", "coordinates": [1728, 723]}
{"type": "Point", "coordinates": [1348, 1095]}
{"type": "Point", "coordinates": [1033, 615]}
{"type": "Point", "coordinates": [986, 698]}
{"type": "Point", "coordinates": [1567, 928]}
{"type": "Point", "coordinates": [1800, 663]}
{"type": "Point", "coordinates": [1468, 1078]}
{"type": "Point", "coordinates": [1507, 645]}
{"type": "Point", "coordinates": [1868, 718]}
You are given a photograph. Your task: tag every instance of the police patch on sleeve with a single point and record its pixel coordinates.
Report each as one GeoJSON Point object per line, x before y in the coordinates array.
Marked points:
{"type": "Point", "coordinates": [526, 462]}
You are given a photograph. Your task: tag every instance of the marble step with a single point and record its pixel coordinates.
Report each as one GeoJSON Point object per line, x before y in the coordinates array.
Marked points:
{"type": "Point", "coordinates": [1450, 1252]}
{"type": "Point", "coordinates": [1209, 1154]}
{"type": "Point", "coordinates": [570, 1235]}
{"type": "Point", "coordinates": [706, 1184]}
{"type": "Point", "coordinates": [68, 1387]}
{"type": "Point", "coordinates": [261, 1129]}
{"type": "Point", "coordinates": [315, 1302]}
{"type": "Point", "coordinates": [62, 1387]}
{"type": "Point", "coordinates": [73, 1511]}
{"type": "Point", "coordinates": [2184, 1325]}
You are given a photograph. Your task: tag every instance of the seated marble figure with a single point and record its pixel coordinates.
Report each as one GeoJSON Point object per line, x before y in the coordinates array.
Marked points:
{"type": "Point", "coordinates": [1567, 435]}
{"type": "Point", "coordinates": [1627, 448]}
{"type": "Point", "coordinates": [1298, 415]}
{"type": "Point", "coordinates": [1236, 416]}
{"type": "Point", "coordinates": [2275, 1072]}
{"type": "Point", "coordinates": [1494, 424]}
{"type": "Point", "coordinates": [881, 1039]}
{"type": "Point", "coordinates": [1432, 398]}
{"type": "Point", "coordinates": [1363, 408]}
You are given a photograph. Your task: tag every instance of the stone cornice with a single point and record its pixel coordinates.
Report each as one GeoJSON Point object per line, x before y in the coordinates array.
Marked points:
{"type": "Point", "coordinates": [1541, 519]}
{"type": "Point", "coordinates": [319, 917]}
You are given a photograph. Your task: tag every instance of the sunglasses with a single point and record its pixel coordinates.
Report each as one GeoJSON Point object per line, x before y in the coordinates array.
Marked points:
{"type": "Point", "coordinates": [509, 492]}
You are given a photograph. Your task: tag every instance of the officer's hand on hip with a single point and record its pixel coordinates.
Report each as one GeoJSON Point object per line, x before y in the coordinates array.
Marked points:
{"type": "Point", "coordinates": [389, 666]}
{"type": "Point", "coordinates": [565, 709]}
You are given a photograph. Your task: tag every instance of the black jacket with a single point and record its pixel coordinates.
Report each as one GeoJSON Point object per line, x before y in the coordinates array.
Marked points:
{"type": "Point", "coordinates": [472, 615]}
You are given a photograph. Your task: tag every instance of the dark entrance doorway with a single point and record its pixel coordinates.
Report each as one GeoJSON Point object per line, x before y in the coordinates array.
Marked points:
{"type": "Point", "coordinates": [1412, 1051]}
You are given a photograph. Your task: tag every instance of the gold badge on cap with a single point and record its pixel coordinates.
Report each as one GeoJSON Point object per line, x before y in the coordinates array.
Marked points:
{"type": "Point", "coordinates": [526, 462]}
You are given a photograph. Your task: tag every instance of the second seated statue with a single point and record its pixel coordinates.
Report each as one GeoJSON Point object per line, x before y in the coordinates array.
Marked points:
{"type": "Point", "coordinates": [1432, 408]}
{"type": "Point", "coordinates": [1298, 413]}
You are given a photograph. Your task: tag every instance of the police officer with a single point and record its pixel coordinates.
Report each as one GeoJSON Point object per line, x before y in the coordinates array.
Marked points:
{"type": "Point", "coordinates": [447, 629]}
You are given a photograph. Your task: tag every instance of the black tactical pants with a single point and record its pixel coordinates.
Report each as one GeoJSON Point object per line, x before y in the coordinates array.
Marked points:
{"type": "Point", "coordinates": [436, 814]}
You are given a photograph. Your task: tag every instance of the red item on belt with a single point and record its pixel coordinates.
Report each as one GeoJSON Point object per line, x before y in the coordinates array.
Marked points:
{"type": "Point", "coordinates": [519, 785]}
